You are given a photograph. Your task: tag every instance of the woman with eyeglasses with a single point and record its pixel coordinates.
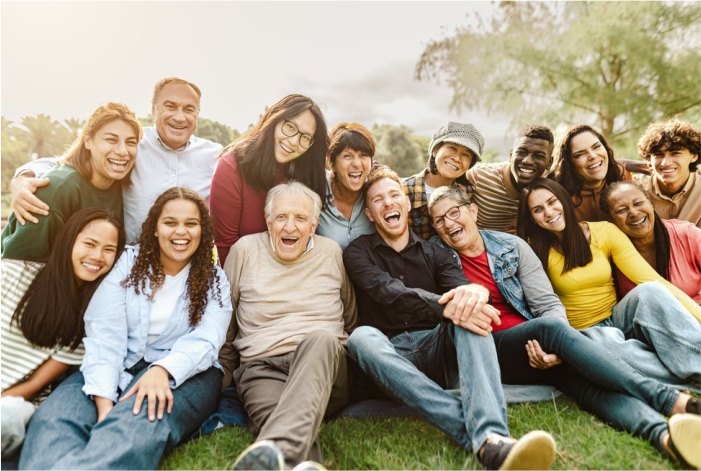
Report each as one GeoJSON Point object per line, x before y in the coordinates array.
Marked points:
{"type": "Point", "coordinates": [289, 142]}
{"type": "Point", "coordinates": [350, 153]}
{"type": "Point", "coordinates": [577, 257]}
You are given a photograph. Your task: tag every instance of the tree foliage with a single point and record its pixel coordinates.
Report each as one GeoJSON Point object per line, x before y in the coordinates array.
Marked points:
{"type": "Point", "coordinates": [398, 148]}
{"type": "Point", "coordinates": [616, 65]}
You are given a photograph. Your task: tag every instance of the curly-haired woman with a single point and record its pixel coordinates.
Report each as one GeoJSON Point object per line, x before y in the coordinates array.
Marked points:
{"type": "Point", "coordinates": [153, 332]}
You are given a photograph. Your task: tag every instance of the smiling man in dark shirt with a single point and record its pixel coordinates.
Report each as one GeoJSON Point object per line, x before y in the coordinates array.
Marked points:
{"type": "Point", "coordinates": [424, 328]}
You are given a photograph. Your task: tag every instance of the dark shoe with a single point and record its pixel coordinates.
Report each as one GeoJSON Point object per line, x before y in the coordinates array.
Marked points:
{"type": "Point", "coordinates": [261, 455]}
{"type": "Point", "coordinates": [685, 439]}
{"type": "Point", "coordinates": [309, 466]}
{"type": "Point", "coordinates": [693, 406]}
{"type": "Point", "coordinates": [535, 450]}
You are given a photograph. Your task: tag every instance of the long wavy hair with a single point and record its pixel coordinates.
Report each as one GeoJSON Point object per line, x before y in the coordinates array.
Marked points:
{"type": "Point", "coordinates": [563, 166]}
{"type": "Point", "coordinates": [662, 248]}
{"type": "Point", "coordinates": [79, 157]}
{"type": "Point", "coordinates": [255, 149]}
{"type": "Point", "coordinates": [50, 313]}
{"type": "Point", "coordinates": [148, 270]}
{"type": "Point", "coordinates": [574, 244]}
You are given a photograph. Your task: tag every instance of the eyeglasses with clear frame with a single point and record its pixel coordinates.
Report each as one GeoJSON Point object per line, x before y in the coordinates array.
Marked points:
{"type": "Point", "coordinates": [453, 214]}
{"type": "Point", "coordinates": [290, 129]}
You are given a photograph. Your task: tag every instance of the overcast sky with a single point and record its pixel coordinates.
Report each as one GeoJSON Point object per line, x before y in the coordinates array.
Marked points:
{"type": "Point", "coordinates": [356, 59]}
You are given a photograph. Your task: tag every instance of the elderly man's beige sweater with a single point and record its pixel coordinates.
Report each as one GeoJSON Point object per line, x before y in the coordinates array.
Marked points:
{"type": "Point", "coordinates": [276, 302]}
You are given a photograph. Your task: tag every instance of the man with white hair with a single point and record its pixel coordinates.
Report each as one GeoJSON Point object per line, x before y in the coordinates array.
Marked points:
{"type": "Point", "coordinates": [293, 309]}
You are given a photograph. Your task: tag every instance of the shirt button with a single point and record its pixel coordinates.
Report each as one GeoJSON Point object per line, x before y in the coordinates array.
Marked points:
{"type": "Point", "coordinates": [401, 277]}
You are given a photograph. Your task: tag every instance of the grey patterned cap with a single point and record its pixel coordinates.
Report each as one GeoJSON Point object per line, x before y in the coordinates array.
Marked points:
{"type": "Point", "coordinates": [464, 134]}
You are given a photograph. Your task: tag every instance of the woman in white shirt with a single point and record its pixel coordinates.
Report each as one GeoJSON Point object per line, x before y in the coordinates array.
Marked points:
{"type": "Point", "coordinates": [150, 374]}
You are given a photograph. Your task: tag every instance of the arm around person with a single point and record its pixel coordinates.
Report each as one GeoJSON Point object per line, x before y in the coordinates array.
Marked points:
{"type": "Point", "coordinates": [226, 202]}
{"type": "Point", "coordinates": [25, 182]}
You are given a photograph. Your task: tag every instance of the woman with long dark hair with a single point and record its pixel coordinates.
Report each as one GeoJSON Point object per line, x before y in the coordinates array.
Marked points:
{"type": "Point", "coordinates": [89, 177]}
{"type": "Point", "coordinates": [584, 164]}
{"type": "Point", "coordinates": [671, 246]}
{"type": "Point", "coordinates": [42, 313]}
{"type": "Point", "coordinates": [577, 257]}
{"type": "Point", "coordinates": [153, 333]}
{"type": "Point", "coordinates": [289, 142]}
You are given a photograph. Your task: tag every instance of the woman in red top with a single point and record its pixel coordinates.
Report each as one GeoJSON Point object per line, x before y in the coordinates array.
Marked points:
{"type": "Point", "coordinates": [289, 142]}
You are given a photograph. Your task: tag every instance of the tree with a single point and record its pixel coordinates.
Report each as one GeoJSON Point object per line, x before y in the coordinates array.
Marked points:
{"type": "Point", "coordinates": [14, 151]}
{"type": "Point", "coordinates": [399, 149]}
{"type": "Point", "coordinates": [75, 126]}
{"type": "Point", "coordinates": [216, 131]}
{"type": "Point", "coordinates": [615, 65]}
{"type": "Point", "coordinates": [44, 136]}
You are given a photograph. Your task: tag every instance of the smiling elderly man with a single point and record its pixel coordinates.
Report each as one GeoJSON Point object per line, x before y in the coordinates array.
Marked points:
{"type": "Point", "coordinates": [294, 306]}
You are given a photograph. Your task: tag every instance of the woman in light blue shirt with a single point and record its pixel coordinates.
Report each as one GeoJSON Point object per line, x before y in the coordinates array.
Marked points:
{"type": "Point", "coordinates": [350, 153]}
{"type": "Point", "coordinates": [150, 375]}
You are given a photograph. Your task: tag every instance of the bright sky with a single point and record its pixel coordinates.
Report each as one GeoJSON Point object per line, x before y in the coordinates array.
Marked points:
{"type": "Point", "coordinates": [356, 59]}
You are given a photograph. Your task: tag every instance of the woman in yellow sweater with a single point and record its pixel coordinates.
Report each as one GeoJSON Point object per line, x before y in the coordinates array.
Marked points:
{"type": "Point", "coordinates": [577, 257]}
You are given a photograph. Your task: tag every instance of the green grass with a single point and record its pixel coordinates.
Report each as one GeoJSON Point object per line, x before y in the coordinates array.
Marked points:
{"type": "Point", "coordinates": [584, 442]}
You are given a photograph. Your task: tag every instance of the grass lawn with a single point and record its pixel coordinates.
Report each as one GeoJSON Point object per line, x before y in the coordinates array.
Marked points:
{"type": "Point", "coordinates": [584, 442]}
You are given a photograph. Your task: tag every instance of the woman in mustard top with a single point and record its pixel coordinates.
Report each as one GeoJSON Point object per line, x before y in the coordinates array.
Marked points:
{"type": "Point", "coordinates": [577, 257]}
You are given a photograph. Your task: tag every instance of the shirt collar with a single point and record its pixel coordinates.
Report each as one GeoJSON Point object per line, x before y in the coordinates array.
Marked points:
{"type": "Point", "coordinates": [377, 240]}
{"type": "Point", "coordinates": [687, 186]}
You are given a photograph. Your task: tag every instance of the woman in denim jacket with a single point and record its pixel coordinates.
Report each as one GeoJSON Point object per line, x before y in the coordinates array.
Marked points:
{"type": "Point", "coordinates": [153, 333]}
{"type": "Point", "coordinates": [533, 322]}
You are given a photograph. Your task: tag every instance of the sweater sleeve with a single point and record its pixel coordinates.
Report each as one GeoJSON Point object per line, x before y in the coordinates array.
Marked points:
{"type": "Point", "coordinates": [226, 203]}
{"type": "Point", "coordinates": [634, 266]}
{"type": "Point", "coordinates": [537, 289]}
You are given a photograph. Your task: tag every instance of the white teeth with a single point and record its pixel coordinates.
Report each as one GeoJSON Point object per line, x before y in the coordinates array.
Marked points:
{"type": "Point", "coordinates": [285, 148]}
{"type": "Point", "coordinates": [555, 219]}
{"type": "Point", "coordinates": [180, 242]}
{"type": "Point", "coordinates": [528, 171]}
{"type": "Point", "coordinates": [448, 164]}
{"type": "Point", "coordinates": [118, 163]}
{"type": "Point", "coordinates": [639, 222]}
{"type": "Point", "coordinates": [91, 267]}
{"type": "Point", "coordinates": [455, 232]}
{"type": "Point", "coordinates": [667, 171]}
{"type": "Point", "coordinates": [355, 175]}
{"type": "Point", "coordinates": [595, 166]}
{"type": "Point", "coordinates": [391, 215]}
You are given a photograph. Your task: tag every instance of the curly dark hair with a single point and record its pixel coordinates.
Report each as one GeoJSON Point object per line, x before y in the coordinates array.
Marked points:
{"type": "Point", "coordinates": [563, 169]}
{"type": "Point", "coordinates": [148, 265]}
{"type": "Point", "coordinates": [672, 134]}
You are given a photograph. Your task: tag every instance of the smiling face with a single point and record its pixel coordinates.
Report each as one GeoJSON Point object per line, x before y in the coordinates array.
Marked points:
{"type": "Point", "coordinates": [530, 158]}
{"type": "Point", "coordinates": [631, 211]}
{"type": "Point", "coordinates": [388, 207]}
{"type": "Point", "coordinates": [453, 160]}
{"type": "Point", "coordinates": [94, 250]}
{"type": "Point", "coordinates": [351, 168]}
{"type": "Point", "coordinates": [291, 224]}
{"type": "Point", "coordinates": [178, 231]}
{"type": "Point", "coordinates": [546, 210]}
{"type": "Point", "coordinates": [671, 168]}
{"type": "Point", "coordinates": [113, 150]}
{"type": "Point", "coordinates": [461, 234]}
{"type": "Point", "coordinates": [589, 158]}
{"type": "Point", "coordinates": [175, 113]}
{"type": "Point", "coordinates": [288, 148]}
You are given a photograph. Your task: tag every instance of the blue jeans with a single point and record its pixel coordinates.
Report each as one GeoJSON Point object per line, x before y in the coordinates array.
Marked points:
{"type": "Point", "coordinates": [62, 433]}
{"type": "Point", "coordinates": [657, 320]}
{"type": "Point", "coordinates": [600, 382]}
{"type": "Point", "coordinates": [415, 367]}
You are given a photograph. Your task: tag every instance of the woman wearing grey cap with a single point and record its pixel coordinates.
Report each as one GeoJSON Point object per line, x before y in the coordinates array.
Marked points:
{"type": "Point", "coordinates": [454, 149]}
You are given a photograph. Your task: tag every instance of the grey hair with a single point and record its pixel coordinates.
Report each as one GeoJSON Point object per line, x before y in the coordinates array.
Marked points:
{"type": "Point", "coordinates": [292, 188]}
{"type": "Point", "coordinates": [444, 192]}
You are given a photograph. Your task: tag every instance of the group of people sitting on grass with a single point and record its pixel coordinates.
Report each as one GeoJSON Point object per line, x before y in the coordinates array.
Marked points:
{"type": "Point", "coordinates": [293, 270]}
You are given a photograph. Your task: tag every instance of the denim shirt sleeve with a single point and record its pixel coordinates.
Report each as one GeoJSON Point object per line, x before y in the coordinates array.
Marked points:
{"type": "Point", "coordinates": [106, 332]}
{"type": "Point", "coordinates": [542, 300]}
{"type": "Point", "coordinates": [198, 350]}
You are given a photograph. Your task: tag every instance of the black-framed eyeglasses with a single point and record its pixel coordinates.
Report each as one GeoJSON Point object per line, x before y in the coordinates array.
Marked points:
{"type": "Point", "coordinates": [453, 214]}
{"type": "Point", "coordinates": [290, 129]}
